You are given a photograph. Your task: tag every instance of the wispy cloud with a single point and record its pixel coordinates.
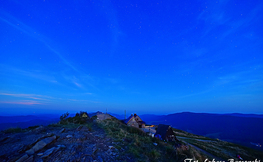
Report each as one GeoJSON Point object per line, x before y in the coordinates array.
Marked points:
{"type": "Point", "coordinates": [237, 25]}
{"type": "Point", "coordinates": [31, 96]}
{"type": "Point", "coordinates": [116, 32]}
{"type": "Point", "coordinates": [80, 78]}
{"type": "Point", "coordinates": [194, 94]}
{"type": "Point", "coordinates": [15, 23]}
{"type": "Point", "coordinates": [237, 82]}
{"type": "Point", "coordinates": [19, 26]}
{"type": "Point", "coordinates": [61, 57]}
{"type": "Point", "coordinates": [77, 84]}
{"type": "Point", "coordinates": [12, 21]}
{"type": "Point", "coordinates": [75, 100]}
{"type": "Point", "coordinates": [73, 80]}
{"type": "Point", "coordinates": [241, 79]}
{"type": "Point", "coordinates": [215, 17]}
{"type": "Point", "coordinates": [10, 70]}
{"type": "Point", "coordinates": [112, 80]}
{"type": "Point", "coordinates": [24, 102]}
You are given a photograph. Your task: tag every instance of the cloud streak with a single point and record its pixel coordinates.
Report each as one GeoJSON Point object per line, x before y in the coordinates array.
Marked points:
{"type": "Point", "coordinates": [25, 102]}
{"type": "Point", "coordinates": [13, 22]}
{"type": "Point", "coordinates": [31, 96]}
{"type": "Point", "coordinates": [34, 34]}
{"type": "Point", "coordinates": [75, 100]}
{"type": "Point", "coordinates": [194, 94]}
{"type": "Point", "coordinates": [9, 70]}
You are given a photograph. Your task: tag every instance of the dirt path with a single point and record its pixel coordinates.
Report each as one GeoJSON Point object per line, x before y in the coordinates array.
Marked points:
{"type": "Point", "coordinates": [203, 151]}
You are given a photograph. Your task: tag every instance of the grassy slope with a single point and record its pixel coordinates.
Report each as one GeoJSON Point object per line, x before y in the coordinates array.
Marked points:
{"type": "Point", "coordinates": [140, 146]}
{"type": "Point", "coordinates": [222, 149]}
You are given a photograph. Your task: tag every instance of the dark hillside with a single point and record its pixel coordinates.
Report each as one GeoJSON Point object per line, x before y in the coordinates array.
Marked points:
{"type": "Point", "coordinates": [27, 120]}
{"type": "Point", "coordinates": [225, 127]}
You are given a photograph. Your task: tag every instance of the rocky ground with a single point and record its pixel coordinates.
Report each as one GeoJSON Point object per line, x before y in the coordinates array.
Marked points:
{"type": "Point", "coordinates": [60, 144]}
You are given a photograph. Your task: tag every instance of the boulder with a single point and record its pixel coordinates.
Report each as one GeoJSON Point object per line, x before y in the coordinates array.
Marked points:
{"type": "Point", "coordinates": [61, 146]}
{"type": "Point", "coordinates": [99, 159]}
{"type": "Point", "coordinates": [94, 150]}
{"type": "Point", "coordinates": [4, 139]}
{"type": "Point", "coordinates": [30, 159]}
{"type": "Point", "coordinates": [50, 151]}
{"type": "Point", "coordinates": [69, 136]}
{"type": "Point", "coordinates": [41, 144]}
{"type": "Point", "coordinates": [79, 128]}
{"type": "Point", "coordinates": [39, 139]}
{"type": "Point", "coordinates": [23, 158]}
{"type": "Point", "coordinates": [40, 129]}
{"type": "Point", "coordinates": [62, 130]}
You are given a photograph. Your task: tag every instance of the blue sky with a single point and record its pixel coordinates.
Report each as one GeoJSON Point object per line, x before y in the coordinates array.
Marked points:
{"type": "Point", "coordinates": [141, 56]}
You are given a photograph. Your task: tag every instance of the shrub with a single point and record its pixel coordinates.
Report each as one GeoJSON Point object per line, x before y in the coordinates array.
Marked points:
{"type": "Point", "coordinates": [134, 151]}
{"type": "Point", "coordinates": [64, 116]}
{"type": "Point", "coordinates": [89, 126]}
{"type": "Point", "coordinates": [13, 130]}
{"type": "Point", "coordinates": [74, 120]}
{"type": "Point", "coordinates": [94, 117]}
{"type": "Point", "coordinates": [154, 154]}
{"type": "Point", "coordinates": [54, 125]}
{"type": "Point", "coordinates": [170, 151]}
{"type": "Point", "coordinates": [33, 127]}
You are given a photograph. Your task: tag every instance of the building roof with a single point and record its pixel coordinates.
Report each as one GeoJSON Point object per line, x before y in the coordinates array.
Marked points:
{"type": "Point", "coordinates": [133, 116]}
{"type": "Point", "coordinates": [84, 115]}
{"type": "Point", "coordinates": [128, 119]}
{"type": "Point", "coordinates": [142, 122]}
{"type": "Point", "coordinates": [98, 112]}
{"type": "Point", "coordinates": [162, 129]}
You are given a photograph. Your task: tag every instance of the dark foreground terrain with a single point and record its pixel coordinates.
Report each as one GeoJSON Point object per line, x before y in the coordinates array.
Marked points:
{"type": "Point", "coordinates": [238, 128]}
{"type": "Point", "coordinates": [58, 144]}
{"type": "Point", "coordinates": [110, 140]}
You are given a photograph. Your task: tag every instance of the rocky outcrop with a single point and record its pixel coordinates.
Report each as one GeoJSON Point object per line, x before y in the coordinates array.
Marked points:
{"type": "Point", "coordinates": [30, 159]}
{"type": "Point", "coordinates": [69, 136]}
{"type": "Point", "coordinates": [103, 116]}
{"type": "Point", "coordinates": [62, 130]}
{"type": "Point", "coordinates": [48, 152]}
{"type": "Point", "coordinates": [41, 144]}
{"type": "Point", "coordinates": [26, 158]}
{"type": "Point", "coordinates": [39, 129]}
{"type": "Point", "coordinates": [59, 144]}
{"type": "Point", "coordinates": [79, 128]}
{"type": "Point", "coordinates": [4, 139]}
{"type": "Point", "coordinates": [23, 158]}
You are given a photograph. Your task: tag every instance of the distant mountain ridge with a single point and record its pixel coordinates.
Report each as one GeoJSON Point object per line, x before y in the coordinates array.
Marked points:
{"type": "Point", "coordinates": [24, 118]}
{"type": "Point", "coordinates": [246, 115]}
{"type": "Point", "coordinates": [24, 121]}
